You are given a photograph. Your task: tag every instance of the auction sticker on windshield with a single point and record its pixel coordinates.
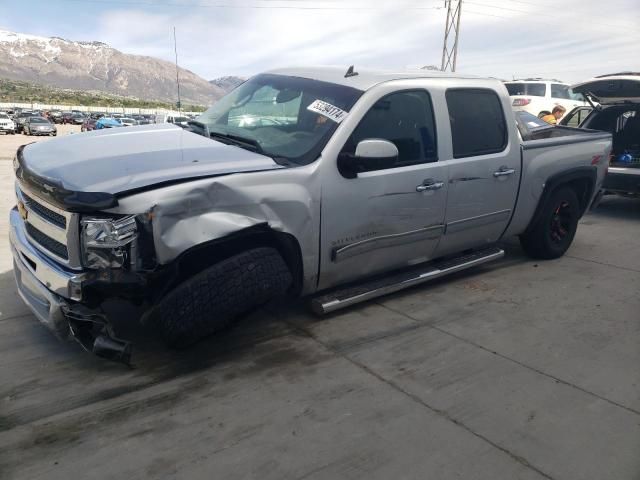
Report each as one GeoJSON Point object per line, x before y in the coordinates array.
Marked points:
{"type": "Point", "coordinates": [327, 110]}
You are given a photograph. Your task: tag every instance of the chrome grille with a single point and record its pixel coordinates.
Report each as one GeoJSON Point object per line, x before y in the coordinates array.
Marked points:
{"type": "Point", "coordinates": [47, 242]}
{"type": "Point", "coordinates": [51, 230]}
{"type": "Point", "coordinates": [44, 212]}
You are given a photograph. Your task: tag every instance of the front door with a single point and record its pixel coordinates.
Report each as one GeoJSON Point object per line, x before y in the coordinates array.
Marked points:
{"type": "Point", "coordinates": [393, 214]}
{"type": "Point", "coordinates": [484, 173]}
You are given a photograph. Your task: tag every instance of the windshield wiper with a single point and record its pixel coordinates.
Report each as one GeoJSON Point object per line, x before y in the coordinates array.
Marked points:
{"type": "Point", "coordinates": [201, 128]}
{"type": "Point", "coordinates": [242, 142]}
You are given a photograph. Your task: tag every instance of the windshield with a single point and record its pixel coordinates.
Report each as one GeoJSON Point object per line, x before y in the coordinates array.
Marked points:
{"type": "Point", "coordinates": [38, 120]}
{"type": "Point", "coordinates": [180, 119]}
{"type": "Point", "coordinates": [280, 115]}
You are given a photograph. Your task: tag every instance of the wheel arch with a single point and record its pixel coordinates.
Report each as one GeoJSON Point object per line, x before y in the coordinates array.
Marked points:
{"type": "Point", "coordinates": [198, 257]}
{"type": "Point", "coordinates": [581, 179]}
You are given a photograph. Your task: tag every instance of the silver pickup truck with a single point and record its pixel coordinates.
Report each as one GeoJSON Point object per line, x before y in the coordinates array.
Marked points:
{"type": "Point", "coordinates": [338, 186]}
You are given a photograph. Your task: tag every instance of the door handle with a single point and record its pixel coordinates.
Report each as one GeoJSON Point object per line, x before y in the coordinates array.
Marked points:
{"type": "Point", "coordinates": [504, 171]}
{"type": "Point", "coordinates": [429, 185]}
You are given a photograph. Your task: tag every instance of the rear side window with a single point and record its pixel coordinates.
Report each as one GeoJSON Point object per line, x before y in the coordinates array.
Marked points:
{"type": "Point", "coordinates": [560, 91]}
{"type": "Point", "coordinates": [477, 121]}
{"type": "Point", "coordinates": [405, 119]}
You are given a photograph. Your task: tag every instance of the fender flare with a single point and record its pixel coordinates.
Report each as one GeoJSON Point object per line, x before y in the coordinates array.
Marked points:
{"type": "Point", "coordinates": [582, 178]}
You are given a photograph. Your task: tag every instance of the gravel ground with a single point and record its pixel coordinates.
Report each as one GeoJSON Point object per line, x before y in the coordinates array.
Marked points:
{"type": "Point", "coordinates": [514, 370]}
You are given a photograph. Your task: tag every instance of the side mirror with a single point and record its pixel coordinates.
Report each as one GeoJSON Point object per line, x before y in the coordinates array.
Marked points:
{"type": "Point", "coordinates": [371, 154]}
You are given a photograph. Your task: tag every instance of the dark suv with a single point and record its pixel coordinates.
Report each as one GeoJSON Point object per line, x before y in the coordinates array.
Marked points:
{"type": "Point", "coordinates": [618, 113]}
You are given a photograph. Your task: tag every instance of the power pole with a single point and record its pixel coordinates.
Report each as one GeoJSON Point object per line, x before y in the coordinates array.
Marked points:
{"type": "Point", "coordinates": [452, 29]}
{"type": "Point", "coordinates": [175, 48]}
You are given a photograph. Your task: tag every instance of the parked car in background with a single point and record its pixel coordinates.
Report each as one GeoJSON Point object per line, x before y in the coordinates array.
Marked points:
{"type": "Point", "coordinates": [107, 122]}
{"type": "Point", "coordinates": [375, 182]}
{"type": "Point", "coordinates": [538, 96]}
{"type": "Point", "coordinates": [6, 124]}
{"type": "Point", "coordinates": [618, 113]}
{"type": "Point", "coordinates": [39, 126]}
{"type": "Point", "coordinates": [67, 118]}
{"type": "Point", "coordinates": [127, 121]}
{"type": "Point", "coordinates": [21, 119]}
{"type": "Point", "coordinates": [55, 115]}
{"type": "Point", "coordinates": [88, 125]}
{"type": "Point", "coordinates": [77, 118]}
{"type": "Point", "coordinates": [175, 119]}
{"type": "Point", "coordinates": [141, 119]}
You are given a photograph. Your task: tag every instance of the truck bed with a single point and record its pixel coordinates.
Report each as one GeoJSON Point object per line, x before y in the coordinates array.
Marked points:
{"type": "Point", "coordinates": [556, 149]}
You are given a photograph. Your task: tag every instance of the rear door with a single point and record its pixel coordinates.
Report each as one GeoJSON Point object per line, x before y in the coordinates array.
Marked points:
{"type": "Point", "coordinates": [575, 117]}
{"type": "Point", "coordinates": [484, 171]}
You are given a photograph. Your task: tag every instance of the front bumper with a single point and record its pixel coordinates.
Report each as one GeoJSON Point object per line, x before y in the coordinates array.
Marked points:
{"type": "Point", "coordinates": [4, 128]}
{"type": "Point", "coordinates": [622, 180]}
{"type": "Point", "coordinates": [53, 292]}
{"type": "Point", "coordinates": [43, 132]}
{"type": "Point", "coordinates": [44, 286]}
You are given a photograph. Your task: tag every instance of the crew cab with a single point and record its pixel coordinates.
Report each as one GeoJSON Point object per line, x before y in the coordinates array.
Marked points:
{"type": "Point", "coordinates": [332, 185]}
{"type": "Point", "coordinates": [615, 108]}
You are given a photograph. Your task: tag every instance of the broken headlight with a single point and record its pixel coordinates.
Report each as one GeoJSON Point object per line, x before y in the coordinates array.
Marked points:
{"type": "Point", "coordinates": [108, 242]}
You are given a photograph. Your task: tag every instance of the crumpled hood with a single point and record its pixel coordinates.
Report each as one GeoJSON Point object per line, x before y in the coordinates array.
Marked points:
{"type": "Point", "coordinates": [118, 160]}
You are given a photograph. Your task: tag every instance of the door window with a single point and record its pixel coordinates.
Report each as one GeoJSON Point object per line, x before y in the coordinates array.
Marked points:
{"type": "Point", "coordinates": [405, 119]}
{"type": "Point", "coordinates": [477, 122]}
{"type": "Point", "coordinates": [560, 91]}
{"type": "Point", "coordinates": [576, 117]}
{"type": "Point", "coordinates": [529, 89]}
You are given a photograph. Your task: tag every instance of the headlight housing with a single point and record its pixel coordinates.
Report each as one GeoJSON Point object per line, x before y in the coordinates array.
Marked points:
{"type": "Point", "coordinates": [108, 242]}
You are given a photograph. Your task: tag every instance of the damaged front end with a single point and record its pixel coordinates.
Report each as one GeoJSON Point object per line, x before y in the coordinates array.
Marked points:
{"type": "Point", "coordinates": [66, 264]}
{"type": "Point", "coordinates": [92, 330]}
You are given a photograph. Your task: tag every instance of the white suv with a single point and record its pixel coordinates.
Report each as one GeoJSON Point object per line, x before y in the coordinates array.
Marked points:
{"type": "Point", "coordinates": [6, 124]}
{"type": "Point", "coordinates": [538, 96]}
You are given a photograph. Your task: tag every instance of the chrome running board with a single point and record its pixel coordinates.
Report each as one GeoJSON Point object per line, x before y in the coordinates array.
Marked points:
{"type": "Point", "coordinates": [337, 299]}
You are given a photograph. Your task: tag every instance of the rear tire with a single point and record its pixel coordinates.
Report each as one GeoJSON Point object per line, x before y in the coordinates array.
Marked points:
{"type": "Point", "coordinates": [556, 227]}
{"type": "Point", "coordinates": [214, 298]}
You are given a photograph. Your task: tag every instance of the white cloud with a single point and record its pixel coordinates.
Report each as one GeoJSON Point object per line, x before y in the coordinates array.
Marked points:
{"type": "Point", "coordinates": [572, 39]}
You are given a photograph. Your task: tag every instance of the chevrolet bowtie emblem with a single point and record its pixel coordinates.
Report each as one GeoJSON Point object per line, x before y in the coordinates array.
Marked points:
{"type": "Point", "coordinates": [24, 213]}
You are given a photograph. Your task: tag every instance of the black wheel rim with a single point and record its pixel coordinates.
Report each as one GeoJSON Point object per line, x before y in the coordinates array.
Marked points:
{"type": "Point", "coordinates": [561, 222]}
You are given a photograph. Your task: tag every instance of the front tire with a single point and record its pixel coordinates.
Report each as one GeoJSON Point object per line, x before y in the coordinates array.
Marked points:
{"type": "Point", "coordinates": [553, 232]}
{"type": "Point", "coordinates": [212, 299]}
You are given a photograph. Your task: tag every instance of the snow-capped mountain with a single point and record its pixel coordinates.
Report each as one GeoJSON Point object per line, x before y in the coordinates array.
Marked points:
{"type": "Point", "coordinates": [96, 66]}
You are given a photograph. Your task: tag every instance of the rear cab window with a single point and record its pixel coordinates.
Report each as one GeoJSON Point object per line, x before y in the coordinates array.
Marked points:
{"type": "Point", "coordinates": [404, 118]}
{"type": "Point", "coordinates": [478, 125]}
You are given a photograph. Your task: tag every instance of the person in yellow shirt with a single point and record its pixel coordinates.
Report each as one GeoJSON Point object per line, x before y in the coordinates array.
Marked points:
{"type": "Point", "coordinates": [555, 115]}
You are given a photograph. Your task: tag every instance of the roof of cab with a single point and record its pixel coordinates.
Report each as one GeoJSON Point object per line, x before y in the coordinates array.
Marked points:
{"type": "Point", "coordinates": [365, 79]}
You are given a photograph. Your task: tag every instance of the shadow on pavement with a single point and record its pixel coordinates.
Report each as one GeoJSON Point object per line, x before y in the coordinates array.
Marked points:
{"type": "Point", "coordinates": [614, 206]}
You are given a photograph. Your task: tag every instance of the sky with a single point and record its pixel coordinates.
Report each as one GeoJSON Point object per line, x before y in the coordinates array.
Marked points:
{"type": "Point", "coordinates": [570, 40]}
